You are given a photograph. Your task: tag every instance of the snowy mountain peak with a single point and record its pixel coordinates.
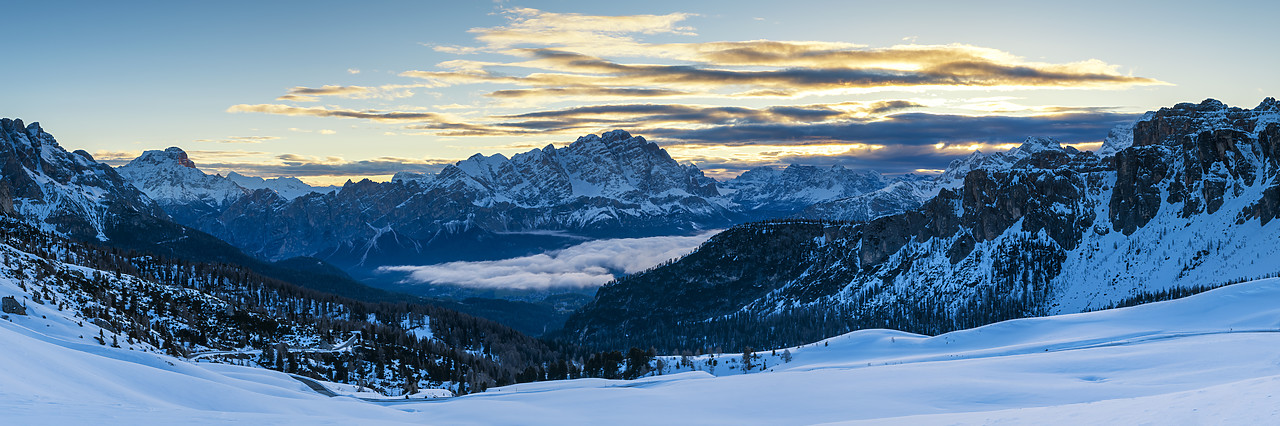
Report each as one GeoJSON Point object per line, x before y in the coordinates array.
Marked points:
{"type": "Point", "coordinates": [171, 178]}
{"type": "Point", "coordinates": [287, 187]}
{"type": "Point", "coordinates": [608, 137]}
{"type": "Point", "coordinates": [615, 135]}
{"type": "Point", "coordinates": [410, 177]}
{"type": "Point", "coordinates": [171, 155]}
{"type": "Point", "coordinates": [1039, 143]}
{"type": "Point", "coordinates": [1268, 104]}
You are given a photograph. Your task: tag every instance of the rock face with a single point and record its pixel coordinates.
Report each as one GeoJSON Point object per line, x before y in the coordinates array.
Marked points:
{"type": "Point", "coordinates": [1040, 229]}
{"type": "Point", "coordinates": [911, 191]}
{"type": "Point", "coordinates": [64, 192]}
{"type": "Point", "coordinates": [10, 305]}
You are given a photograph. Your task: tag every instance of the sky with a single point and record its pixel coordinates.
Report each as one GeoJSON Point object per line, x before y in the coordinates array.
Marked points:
{"type": "Point", "coordinates": [330, 91]}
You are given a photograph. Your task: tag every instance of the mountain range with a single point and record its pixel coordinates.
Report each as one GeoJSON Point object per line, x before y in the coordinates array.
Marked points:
{"type": "Point", "coordinates": [1181, 201]}
{"type": "Point", "coordinates": [490, 207]}
{"type": "Point", "coordinates": [1181, 197]}
{"type": "Point", "coordinates": [71, 195]}
{"type": "Point", "coordinates": [1185, 196]}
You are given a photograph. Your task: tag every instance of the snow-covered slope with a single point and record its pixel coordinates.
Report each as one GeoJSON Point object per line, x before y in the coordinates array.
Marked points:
{"type": "Point", "coordinates": [1208, 358]}
{"type": "Point", "coordinates": [901, 194]}
{"type": "Point", "coordinates": [229, 314]}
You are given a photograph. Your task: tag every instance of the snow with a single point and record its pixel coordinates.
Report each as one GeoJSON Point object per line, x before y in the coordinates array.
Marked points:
{"type": "Point", "coordinates": [1206, 358]}
{"type": "Point", "coordinates": [418, 328]}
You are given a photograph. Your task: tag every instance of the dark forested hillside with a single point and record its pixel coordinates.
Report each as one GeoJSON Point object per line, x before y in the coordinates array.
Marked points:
{"type": "Point", "coordinates": [187, 308]}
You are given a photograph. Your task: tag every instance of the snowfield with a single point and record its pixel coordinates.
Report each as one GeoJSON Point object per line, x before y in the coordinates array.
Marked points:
{"type": "Point", "coordinates": [1210, 358]}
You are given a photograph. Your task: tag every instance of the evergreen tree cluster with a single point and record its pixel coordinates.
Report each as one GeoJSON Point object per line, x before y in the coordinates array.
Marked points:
{"type": "Point", "coordinates": [186, 308]}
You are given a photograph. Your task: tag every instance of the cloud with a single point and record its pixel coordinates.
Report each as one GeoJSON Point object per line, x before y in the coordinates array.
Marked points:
{"type": "Point", "coordinates": [555, 55]}
{"type": "Point", "coordinates": [321, 131]}
{"type": "Point", "coordinates": [374, 115]}
{"type": "Point", "coordinates": [241, 139]}
{"type": "Point", "coordinates": [899, 143]}
{"type": "Point", "coordinates": [788, 69]}
{"type": "Point", "coordinates": [535, 27]}
{"type": "Point", "coordinates": [115, 158]}
{"type": "Point", "coordinates": [699, 114]}
{"type": "Point", "coordinates": [640, 117]}
{"type": "Point", "coordinates": [308, 166]}
{"type": "Point", "coordinates": [912, 128]}
{"type": "Point", "coordinates": [590, 264]}
{"type": "Point", "coordinates": [726, 105]}
{"type": "Point", "coordinates": [312, 94]}
{"type": "Point", "coordinates": [587, 91]}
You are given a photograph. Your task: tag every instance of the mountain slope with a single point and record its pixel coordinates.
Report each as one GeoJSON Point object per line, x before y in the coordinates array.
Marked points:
{"type": "Point", "coordinates": [67, 193]}
{"type": "Point", "coordinates": [230, 314]}
{"type": "Point", "coordinates": [70, 194]}
{"type": "Point", "coordinates": [1190, 201]}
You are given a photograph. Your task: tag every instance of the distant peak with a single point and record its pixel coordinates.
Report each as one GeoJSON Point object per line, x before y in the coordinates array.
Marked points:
{"type": "Point", "coordinates": [1211, 104]}
{"type": "Point", "coordinates": [615, 135]}
{"type": "Point", "coordinates": [1205, 105]}
{"type": "Point", "coordinates": [1268, 104]}
{"type": "Point", "coordinates": [610, 137]}
{"type": "Point", "coordinates": [32, 131]}
{"type": "Point", "coordinates": [1040, 143]}
{"type": "Point", "coordinates": [171, 155]}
